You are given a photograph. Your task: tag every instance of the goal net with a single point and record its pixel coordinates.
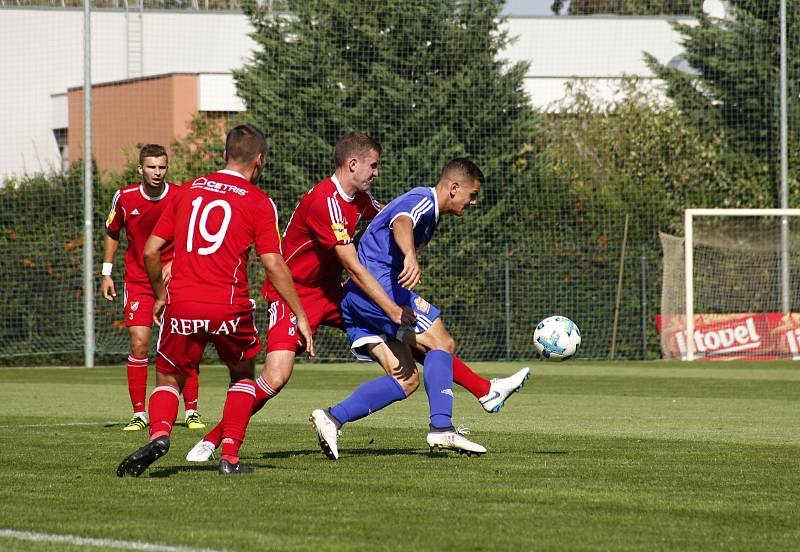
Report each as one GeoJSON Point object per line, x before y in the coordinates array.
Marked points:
{"type": "Point", "coordinates": [731, 285]}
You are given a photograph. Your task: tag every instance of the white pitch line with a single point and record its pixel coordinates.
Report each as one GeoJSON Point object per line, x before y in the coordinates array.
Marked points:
{"type": "Point", "coordinates": [107, 423]}
{"type": "Point", "coordinates": [88, 541]}
{"type": "Point", "coordinates": [59, 425]}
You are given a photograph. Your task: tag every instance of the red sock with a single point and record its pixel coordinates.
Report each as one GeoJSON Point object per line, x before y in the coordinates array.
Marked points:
{"type": "Point", "coordinates": [164, 402]}
{"type": "Point", "coordinates": [215, 435]}
{"type": "Point", "coordinates": [190, 392]}
{"type": "Point", "coordinates": [235, 417]}
{"type": "Point", "coordinates": [137, 382]}
{"type": "Point", "coordinates": [263, 393]}
{"type": "Point", "coordinates": [469, 380]}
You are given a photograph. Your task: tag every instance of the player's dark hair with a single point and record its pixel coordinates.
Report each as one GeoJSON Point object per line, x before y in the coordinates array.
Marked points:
{"type": "Point", "coordinates": [353, 144]}
{"type": "Point", "coordinates": [244, 142]}
{"type": "Point", "coordinates": [152, 150]}
{"type": "Point", "coordinates": [465, 167]}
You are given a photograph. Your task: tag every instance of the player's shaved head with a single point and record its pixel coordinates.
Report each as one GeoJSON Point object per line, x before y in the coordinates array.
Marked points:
{"type": "Point", "coordinates": [353, 144]}
{"type": "Point", "coordinates": [461, 168]}
{"type": "Point", "coordinates": [151, 150]}
{"type": "Point", "coordinates": [243, 143]}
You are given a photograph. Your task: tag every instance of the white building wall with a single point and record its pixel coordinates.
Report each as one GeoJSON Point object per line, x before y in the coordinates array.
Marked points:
{"type": "Point", "coordinates": [42, 57]}
{"type": "Point", "coordinates": [217, 92]}
{"type": "Point", "coordinates": [601, 49]}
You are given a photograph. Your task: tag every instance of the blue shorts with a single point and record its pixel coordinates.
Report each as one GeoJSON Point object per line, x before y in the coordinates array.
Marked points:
{"type": "Point", "coordinates": [367, 323]}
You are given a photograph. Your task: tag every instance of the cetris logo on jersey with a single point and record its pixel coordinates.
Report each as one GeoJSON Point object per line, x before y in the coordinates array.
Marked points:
{"type": "Point", "coordinates": [340, 232]}
{"type": "Point", "coordinates": [292, 318]}
{"type": "Point", "coordinates": [135, 306]}
{"type": "Point", "coordinates": [422, 305]}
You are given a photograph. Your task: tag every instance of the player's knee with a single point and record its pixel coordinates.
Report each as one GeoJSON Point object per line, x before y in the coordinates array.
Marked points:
{"type": "Point", "coordinates": [278, 369]}
{"type": "Point", "coordinates": [446, 343]}
{"type": "Point", "coordinates": [409, 384]}
{"type": "Point", "coordinates": [139, 347]}
{"type": "Point", "coordinates": [275, 380]}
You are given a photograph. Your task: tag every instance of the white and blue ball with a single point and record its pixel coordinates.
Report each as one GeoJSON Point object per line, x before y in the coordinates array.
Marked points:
{"type": "Point", "coordinates": [556, 338]}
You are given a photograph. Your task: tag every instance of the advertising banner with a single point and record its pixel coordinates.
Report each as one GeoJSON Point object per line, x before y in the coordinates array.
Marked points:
{"type": "Point", "coordinates": [744, 336]}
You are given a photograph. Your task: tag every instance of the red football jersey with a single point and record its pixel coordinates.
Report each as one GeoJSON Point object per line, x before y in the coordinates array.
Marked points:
{"type": "Point", "coordinates": [324, 218]}
{"type": "Point", "coordinates": [138, 213]}
{"type": "Point", "coordinates": [214, 220]}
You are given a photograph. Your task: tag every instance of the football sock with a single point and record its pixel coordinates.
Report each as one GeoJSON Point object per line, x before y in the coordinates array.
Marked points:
{"type": "Point", "coordinates": [137, 382]}
{"type": "Point", "coordinates": [190, 392]}
{"type": "Point", "coordinates": [469, 380]}
{"type": "Point", "coordinates": [164, 403]}
{"type": "Point", "coordinates": [235, 417]}
{"type": "Point", "coordinates": [263, 393]}
{"type": "Point", "coordinates": [215, 435]}
{"type": "Point", "coordinates": [437, 373]}
{"type": "Point", "coordinates": [368, 398]}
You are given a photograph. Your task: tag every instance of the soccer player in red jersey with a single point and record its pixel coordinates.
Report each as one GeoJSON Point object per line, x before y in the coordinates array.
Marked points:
{"type": "Point", "coordinates": [213, 223]}
{"type": "Point", "coordinates": [317, 245]}
{"type": "Point", "coordinates": [136, 209]}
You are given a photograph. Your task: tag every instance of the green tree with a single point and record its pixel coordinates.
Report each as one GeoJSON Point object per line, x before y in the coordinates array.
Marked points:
{"type": "Point", "coordinates": [735, 90]}
{"type": "Point", "coordinates": [631, 156]}
{"type": "Point", "coordinates": [42, 263]}
{"type": "Point", "coordinates": [426, 80]}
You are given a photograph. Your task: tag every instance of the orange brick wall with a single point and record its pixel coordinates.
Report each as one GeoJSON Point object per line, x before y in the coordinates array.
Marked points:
{"type": "Point", "coordinates": [148, 110]}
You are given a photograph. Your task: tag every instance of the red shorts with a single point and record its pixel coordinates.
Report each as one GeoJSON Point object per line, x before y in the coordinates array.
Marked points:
{"type": "Point", "coordinates": [322, 309]}
{"type": "Point", "coordinates": [186, 328]}
{"type": "Point", "coordinates": [139, 300]}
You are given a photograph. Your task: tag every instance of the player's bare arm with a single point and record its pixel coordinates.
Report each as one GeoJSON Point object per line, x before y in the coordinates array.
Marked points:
{"type": "Point", "coordinates": [281, 279]}
{"type": "Point", "coordinates": [152, 265]}
{"type": "Point", "coordinates": [348, 257]}
{"type": "Point", "coordinates": [403, 234]}
{"type": "Point", "coordinates": [110, 246]}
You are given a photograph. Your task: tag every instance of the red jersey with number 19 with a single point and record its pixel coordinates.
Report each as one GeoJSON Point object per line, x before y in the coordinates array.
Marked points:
{"type": "Point", "coordinates": [214, 220]}
{"type": "Point", "coordinates": [324, 218]}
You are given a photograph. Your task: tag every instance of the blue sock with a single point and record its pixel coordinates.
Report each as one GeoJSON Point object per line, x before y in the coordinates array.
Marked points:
{"type": "Point", "coordinates": [368, 398]}
{"type": "Point", "coordinates": [437, 373]}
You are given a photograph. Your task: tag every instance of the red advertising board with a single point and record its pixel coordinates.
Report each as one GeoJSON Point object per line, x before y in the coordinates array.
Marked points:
{"type": "Point", "coordinates": [750, 336]}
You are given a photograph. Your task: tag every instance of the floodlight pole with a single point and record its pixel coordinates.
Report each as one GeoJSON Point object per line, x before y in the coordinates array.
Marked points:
{"type": "Point", "coordinates": [88, 206]}
{"type": "Point", "coordinates": [786, 305]}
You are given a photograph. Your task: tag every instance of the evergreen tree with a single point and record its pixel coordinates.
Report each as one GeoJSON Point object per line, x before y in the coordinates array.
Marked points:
{"type": "Point", "coordinates": [422, 77]}
{"type": "Point", "coordinates": [735, 92]}
{"type": "Point", "coordinates": [425, 79]}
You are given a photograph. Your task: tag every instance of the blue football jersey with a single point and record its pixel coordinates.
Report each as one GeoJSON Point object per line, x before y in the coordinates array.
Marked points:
{"type": "Point", "coordinates": [377, 249]}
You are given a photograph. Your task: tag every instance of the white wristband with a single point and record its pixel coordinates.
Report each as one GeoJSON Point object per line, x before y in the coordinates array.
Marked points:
{"type": "Point", "coordinates": [106, 269]}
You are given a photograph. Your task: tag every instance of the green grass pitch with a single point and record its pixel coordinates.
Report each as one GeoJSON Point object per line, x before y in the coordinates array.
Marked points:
{"type": "Point", "coordinates": [588, 456]}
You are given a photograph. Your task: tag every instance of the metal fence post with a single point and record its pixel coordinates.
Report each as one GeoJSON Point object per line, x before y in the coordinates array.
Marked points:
{"type": "Point", "coordinates": [508, 301]}
{"type": "Point", "coordinates": [643, 301]}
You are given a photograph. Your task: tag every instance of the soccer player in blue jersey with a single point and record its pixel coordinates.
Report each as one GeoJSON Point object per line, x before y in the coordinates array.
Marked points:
{"type": "Point", "coordinates": [388, 249]}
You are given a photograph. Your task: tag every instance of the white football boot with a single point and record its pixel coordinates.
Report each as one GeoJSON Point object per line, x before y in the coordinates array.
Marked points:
{"type": "Point", "coordinates": [454, 440]}
{"type": "Point", "coordinates": [327, 433]}
{"type": "Point", "coordinates": [203, 451]}
{"type": "Point", "coordinates": [502, 388]}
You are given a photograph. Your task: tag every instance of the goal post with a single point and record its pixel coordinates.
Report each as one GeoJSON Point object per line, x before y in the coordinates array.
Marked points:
{"type": "Point", "coordinates": [764, 237]}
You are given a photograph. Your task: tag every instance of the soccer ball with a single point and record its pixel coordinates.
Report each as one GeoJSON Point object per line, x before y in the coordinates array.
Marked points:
{"type": "Point", "coordinates": [556, 338]}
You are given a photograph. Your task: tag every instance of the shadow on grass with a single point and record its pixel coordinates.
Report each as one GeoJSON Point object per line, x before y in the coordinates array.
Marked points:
{"type": "Point", "coordinates": [283, 454]}
{"type": "Point", "coordinates": [166, 472]}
